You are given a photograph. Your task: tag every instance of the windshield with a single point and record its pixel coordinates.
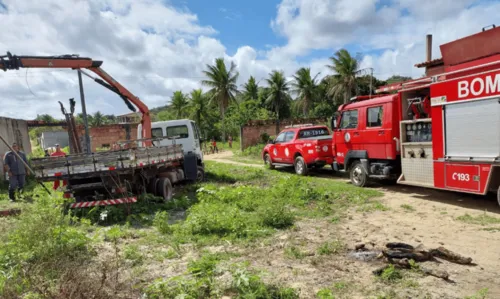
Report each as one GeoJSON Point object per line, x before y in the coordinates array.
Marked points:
{"type": "Point", "coordinates": [314, 132]}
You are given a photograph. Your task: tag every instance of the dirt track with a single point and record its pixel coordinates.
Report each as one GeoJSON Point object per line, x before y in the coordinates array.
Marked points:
{"type": "Point", "coordinates": [416, 216]}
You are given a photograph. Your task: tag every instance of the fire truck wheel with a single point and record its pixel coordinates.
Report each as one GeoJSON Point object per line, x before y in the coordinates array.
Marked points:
{"type": "Point", "coordinates": [164, 189]}
{"type": "Point", "coordinates": [359, 177]}
{"type": "Point", "coordinates": [268, 162]}
{"type": "Point", "coordinates": [300, 166]}
{"type": "Point", "coordinates": [200, 174]}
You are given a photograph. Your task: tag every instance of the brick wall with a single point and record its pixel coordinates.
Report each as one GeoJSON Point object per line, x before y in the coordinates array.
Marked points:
{"type": "Point", "coordinates": [251, 132]}
{"type": "Point", "coordinates": [105, 136]}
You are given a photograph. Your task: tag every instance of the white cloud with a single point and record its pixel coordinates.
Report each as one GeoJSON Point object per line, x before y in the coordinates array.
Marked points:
{"type": "Point", "coordinates": [153, 48]}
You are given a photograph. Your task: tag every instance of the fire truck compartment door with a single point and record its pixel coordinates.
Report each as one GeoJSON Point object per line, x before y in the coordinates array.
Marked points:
{"type": "Point", "coordinates": [472, 129]}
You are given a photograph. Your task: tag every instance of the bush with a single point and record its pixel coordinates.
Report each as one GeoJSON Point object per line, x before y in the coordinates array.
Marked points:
{"type": "Point", "coordinates": [276, 214]}
{"type": "Point", "coordinates": [43, 239]}
{"type": "Point", "coordinates": [161, 223]}
{"type": "Point", "coordinates": [264, 138]}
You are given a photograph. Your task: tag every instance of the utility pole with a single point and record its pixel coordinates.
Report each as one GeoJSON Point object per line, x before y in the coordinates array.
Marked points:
{"type": "Point", "coordinates": [371, 80]}
{"type": "Point", "coordinates": [88, 148]}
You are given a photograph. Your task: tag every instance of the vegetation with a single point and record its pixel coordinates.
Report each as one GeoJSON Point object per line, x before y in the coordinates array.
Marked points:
{"type": "Point", "coordinates": [103, 252]}
{"type": "Point", "coordinates": [225, 107]}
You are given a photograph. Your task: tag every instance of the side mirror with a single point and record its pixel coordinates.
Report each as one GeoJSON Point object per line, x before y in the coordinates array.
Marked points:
{"type": "Point", "coordinates": [334, 123]}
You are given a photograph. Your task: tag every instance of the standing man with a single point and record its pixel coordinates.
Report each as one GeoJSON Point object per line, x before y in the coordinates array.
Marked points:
{"type": "Point", "coordinates": [230, 139]}
{"type": "Point", "coordinates": [58, 153]}
{"type": "Point", "coordinates": [16, 169]}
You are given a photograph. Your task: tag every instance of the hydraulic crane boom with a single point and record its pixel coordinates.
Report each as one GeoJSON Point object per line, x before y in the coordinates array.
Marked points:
{"type": "Point", "coordinates": [14, 62]}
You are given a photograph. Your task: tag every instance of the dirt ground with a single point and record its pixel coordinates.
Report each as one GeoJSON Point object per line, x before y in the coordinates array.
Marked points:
{"type": "Point", "coordinates": [415, 216]}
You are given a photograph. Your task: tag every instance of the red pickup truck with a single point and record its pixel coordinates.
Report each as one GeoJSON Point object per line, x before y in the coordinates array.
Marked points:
{"type": "Point", "coordinates": [303, 147]}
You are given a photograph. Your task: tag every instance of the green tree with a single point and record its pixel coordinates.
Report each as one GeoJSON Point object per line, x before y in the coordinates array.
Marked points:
{"type": "Point", "coordinates": [343, 83]}
{"type": "Point", "coordinates": [97, 119]}
{"type": "Point", "coordinates": [45, 117]}
{"type": "Point", "coordinates": [198, 106]}
{"type": "Point", "coordinates": [179, 104]}
{"type": "Point", "coordinates": [222, 83]}
{"type": "Point", "coordinates": [250, 90]}
{"type": "Point", "coordinates": [397, 78]}
{"type": "Point", "coordinates": [306, 89]}
{"type": "Point", "coordinates": [277, 94]}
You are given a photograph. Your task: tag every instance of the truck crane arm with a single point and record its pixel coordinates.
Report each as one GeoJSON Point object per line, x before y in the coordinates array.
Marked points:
{"type": "Point", "coordinates": [14, 62]}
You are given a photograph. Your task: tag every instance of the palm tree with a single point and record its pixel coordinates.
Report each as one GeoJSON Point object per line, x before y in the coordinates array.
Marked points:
{"type": "Point", "coordinates": [179, 104]}
{"type": "Point", "coordinates": [97, 119]}
{"type": "Point", "coordinates": [306, 88]}
{"type": "Point", "coordinates": [222, 83]}
{"type": "Point", "coordinates": [251, 90]}
{"type": "Point", "coordinates": [346, 67]}
{"type": "Point", "coordinates": [277, 94]}
{"type": "Point", "coordinates": [198, 105]}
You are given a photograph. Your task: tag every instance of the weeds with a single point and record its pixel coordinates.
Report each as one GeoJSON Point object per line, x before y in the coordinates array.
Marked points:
{"type": "Point", "coordinates": [325, 294]}
{"type": "Point", "coordinates": [483, 219]}
{"type": "Point", "coordinates": [293, 252]}
{"type": "Point", "coordinates": [332, 247]}
{"type": "Point", "coordinates": [408, 208]}
{"type": "Point", "coordinates": [481, 294]}
{"type": "Point", "coordinates": [133, 254]}
{"type": "Point", "coordinates": [391, 274]}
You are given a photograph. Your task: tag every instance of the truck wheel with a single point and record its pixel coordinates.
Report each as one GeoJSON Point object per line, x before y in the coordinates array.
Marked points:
{"type": "Point", "coordinates": [164, 189]}
{"type": "Point", "coordinates": [268, 162]}
{"type": "Point", "coordinates": [300, 166]}
{"type": "Point", "coordinates": [358, 175]}
{"type": "Point", "coordinates": [200, 174]}
{"type": "Point", "coordinates": [498, 195]}
{"type": "Point", "coordinates": [152, 186]}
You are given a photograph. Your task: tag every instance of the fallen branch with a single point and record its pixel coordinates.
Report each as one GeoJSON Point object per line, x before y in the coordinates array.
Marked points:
{"type": "Point", "coordinates": [450, 256]}
{"type": "Point", "coordinates": [398, 245]}
{"type": "Point", "coordinates": [418, 256]}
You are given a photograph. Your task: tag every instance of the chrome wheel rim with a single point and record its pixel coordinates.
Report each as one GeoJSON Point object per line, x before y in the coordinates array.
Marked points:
{"type": "Point", "coordinates": [300, 166]}
{"type": "Point", "coordinates": [357, 175]}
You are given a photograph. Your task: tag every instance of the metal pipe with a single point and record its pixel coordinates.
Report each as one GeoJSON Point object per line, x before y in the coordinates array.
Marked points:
{"type": "Point", "coordinates": [84, 113]}
{"type": "Point", "coordinates": [429, 47]}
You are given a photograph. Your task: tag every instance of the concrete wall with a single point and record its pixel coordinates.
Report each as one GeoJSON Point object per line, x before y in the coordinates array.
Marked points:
{"type": "Point", "coordinates": [13, 130]}
{"type": "Point", "coordinates": [105, 136]}
{"type": "Point", "coordinates": [250, 134]}
{"type": "Point", "coordinates": [49, 139]}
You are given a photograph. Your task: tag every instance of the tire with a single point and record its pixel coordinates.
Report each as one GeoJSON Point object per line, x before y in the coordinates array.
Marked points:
{"type": "Point", "coordinates": [498, 195]}
{"type": "Point", "coordinates": [164, 189]}
{"type": "Point", "coordinates": [300, 166]}
{"type": "Point", "coordinates": [358, 175]}
{"type": "Point", "coordinates": [268, 162]}
{"type": "Point", "coordinates": [152, 186]}
{"type": "Point", "coordinates": [200, 174]}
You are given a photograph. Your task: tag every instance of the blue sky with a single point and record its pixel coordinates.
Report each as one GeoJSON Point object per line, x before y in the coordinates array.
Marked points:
{"type": "Point", "coordinates": [183, 36]}
{"type": "Point", "coordinates": [238, 22]}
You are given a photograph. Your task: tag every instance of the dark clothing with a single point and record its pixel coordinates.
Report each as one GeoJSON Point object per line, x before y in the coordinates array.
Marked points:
{"type": "Point", "coordinates": [16, 182]}
{"type": "Point", "coordinates": [18, 171]}
{"type": "Point", "coordinates": [15, 165]}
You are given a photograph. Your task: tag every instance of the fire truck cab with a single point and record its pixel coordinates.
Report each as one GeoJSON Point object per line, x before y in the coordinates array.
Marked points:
{"type": "Point", "coordinates": [441, 131]}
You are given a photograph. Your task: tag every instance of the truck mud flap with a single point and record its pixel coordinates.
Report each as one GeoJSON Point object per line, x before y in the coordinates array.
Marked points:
{"type": "Point", "coordinates": [190, 166]}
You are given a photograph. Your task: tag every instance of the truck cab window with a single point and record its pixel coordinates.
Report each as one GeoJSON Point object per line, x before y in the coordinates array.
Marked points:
{"type": "Point", "coordinates": [374, 117]}
{"type": "Point", "coordinates": [349, 119]}
{"type": "Point", "coordinates": [156, 132]}
{"type": "Point", "coordinates": [289, 136]}
{"type": "Point", "coordinates": [178, 131]}
{"type": "Point", "coordinates": [280, 138]}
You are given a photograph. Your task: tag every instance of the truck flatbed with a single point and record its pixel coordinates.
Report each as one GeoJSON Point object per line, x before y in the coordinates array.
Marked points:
{"type": "Point", "coordinates": [81, 166]}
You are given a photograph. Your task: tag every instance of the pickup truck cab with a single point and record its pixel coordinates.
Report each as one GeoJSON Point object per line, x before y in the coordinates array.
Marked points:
{"type": "Point", "coordinates": [302, 147]}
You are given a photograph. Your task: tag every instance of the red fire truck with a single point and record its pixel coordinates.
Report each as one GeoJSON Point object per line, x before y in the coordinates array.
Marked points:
{"type": "Point", "coordinates": [440, 131]}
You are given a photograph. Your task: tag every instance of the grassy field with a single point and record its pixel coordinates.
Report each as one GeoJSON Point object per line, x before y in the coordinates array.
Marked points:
{"type": "Point", "coordinates": [209, 242]}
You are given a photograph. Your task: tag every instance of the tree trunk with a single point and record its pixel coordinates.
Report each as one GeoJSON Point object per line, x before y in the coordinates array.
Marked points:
{"type": "Point", "coordinates": [306, 106]}
{"type": "Point", "coordinates": [277, 119]}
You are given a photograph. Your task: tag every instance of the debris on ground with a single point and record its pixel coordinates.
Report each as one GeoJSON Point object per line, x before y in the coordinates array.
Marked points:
{"type": "Point", "coordinates": [405, 256]}
{"type": "Point", "coordinates": [10, 212]}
